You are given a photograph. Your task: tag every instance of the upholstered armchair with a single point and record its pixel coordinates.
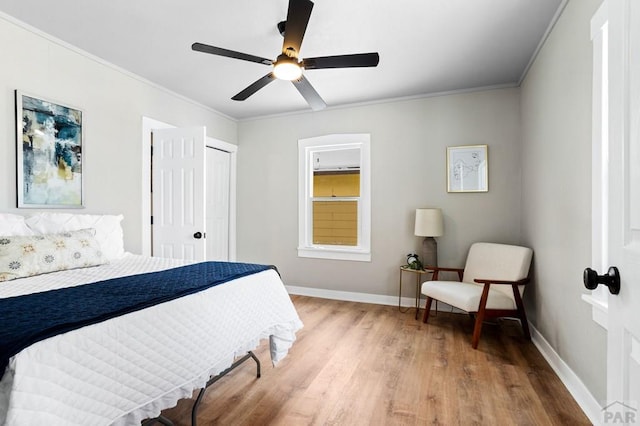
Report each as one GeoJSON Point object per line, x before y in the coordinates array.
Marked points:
{"type": "Point", "coordinates": [491, 285]}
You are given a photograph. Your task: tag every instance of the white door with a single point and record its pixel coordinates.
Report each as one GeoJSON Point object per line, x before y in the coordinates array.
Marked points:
{"type": "Point", "coordinates": [217, 205]}
{"type": "Point", "coordinates": [178, 192]}
{"type": "Point", "coordinates": [623, 356]}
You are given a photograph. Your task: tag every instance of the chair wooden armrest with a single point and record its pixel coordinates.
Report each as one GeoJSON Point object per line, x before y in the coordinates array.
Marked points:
{"type": "Point", "coordinates": [485, 281]}
{"type": "Point", "coordinates": [437, 269]}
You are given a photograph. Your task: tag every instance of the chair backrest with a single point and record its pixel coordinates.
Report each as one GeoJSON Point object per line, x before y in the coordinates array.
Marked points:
{"type": "Point", "coordinates": [498, 262]}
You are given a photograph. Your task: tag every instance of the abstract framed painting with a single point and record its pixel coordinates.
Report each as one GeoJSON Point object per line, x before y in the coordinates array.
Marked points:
{"type": "Point", "coordinates": [467, 168]}
{"type": "Point", "coordinates": [49, 139]}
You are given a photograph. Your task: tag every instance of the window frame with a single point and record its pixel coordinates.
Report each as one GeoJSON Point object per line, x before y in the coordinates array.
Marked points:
{"type": "Point", "coordinates": [306, 147]}
{"type": "Point", "coordinates": [599, 298]}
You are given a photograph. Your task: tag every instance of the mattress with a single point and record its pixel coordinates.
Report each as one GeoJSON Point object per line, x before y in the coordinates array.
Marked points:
{"type": "Point", "coordinates": [129, 368]}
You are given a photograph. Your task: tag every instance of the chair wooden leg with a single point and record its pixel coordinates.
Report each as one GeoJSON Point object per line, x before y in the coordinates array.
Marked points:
{"type": "Point", "coordinates": [427, 309]}
{"type": "Point", "coordinates": [477, 329]}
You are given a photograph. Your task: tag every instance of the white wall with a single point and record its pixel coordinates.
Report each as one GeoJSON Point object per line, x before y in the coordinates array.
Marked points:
{"type": "Point", "coordinates": [408, 158]}
{"type": "Point", "coordinates": [556, 129]}
{"type": "Point", "coordinates": [113, 103]}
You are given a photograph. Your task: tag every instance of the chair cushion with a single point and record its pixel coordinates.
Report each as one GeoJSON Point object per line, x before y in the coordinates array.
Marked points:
{"type": "Point", "coordinates": [466, 296]}
{"type": "Point", "coordinates": [498, 262]}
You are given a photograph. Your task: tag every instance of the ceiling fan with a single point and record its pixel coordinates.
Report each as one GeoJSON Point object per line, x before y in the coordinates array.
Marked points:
{"type": "Point", "coordinates": [287, 66]}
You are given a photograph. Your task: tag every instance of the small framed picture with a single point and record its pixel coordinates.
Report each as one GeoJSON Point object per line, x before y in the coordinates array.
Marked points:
{"type": "Point", "coordinates": [467, 168]}
{"type": "Point", "coordinates": [49, 153]}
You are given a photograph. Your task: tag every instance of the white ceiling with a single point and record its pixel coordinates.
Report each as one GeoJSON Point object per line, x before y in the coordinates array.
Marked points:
{"type": "Point", "coordinates": [425, 46]}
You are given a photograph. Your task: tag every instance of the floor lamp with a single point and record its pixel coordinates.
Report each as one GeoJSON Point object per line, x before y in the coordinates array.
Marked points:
{"type": "Point", "coordinates": [429, 224]}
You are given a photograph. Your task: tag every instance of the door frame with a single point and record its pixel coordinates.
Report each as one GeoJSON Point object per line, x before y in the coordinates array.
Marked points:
{"type": "Point", "coordinates": [148, 124]}
{"type": "Point", "coordinates": [233, 152]}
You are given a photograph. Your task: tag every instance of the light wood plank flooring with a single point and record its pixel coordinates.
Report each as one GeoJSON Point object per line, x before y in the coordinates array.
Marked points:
{"type": "Point", "coordinates": [361, 364]}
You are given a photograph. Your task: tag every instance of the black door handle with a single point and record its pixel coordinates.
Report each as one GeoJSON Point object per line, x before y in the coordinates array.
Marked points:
{"type": "Point", "coordinates": [611, 279]}
{"type": "Point", "coordinates": [197, 235]}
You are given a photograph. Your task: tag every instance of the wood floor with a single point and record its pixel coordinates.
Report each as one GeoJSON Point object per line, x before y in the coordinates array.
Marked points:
{"type": "Point", "coordinates": [361, 364]}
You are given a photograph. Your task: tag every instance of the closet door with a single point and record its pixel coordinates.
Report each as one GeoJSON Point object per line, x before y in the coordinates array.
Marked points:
{"type": "Point", "coordinates": [218, 203]}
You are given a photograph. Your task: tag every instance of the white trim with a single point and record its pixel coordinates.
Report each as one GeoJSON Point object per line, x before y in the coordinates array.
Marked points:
{"type": "Point", "coordinates": [335, 254]}
{"type": "Point", "coordinates": [97, 59]}
{"type": "Point", "coordinates": [376, 299]}
{"type": "Point", "coordinates": [348, 296]}
{"type": "Point", "coordinates": [306, 148]}
{"type": "Point", "coordinates": [233, 167]}
{"type": "Point", "coordinates": [386, 101]}
{"type": "Point", "coordinates": [571, 381]}
{"type": "Point", "coordinates": [598, 298]}
{"type": "Point", "coordinates": [148, 124]}
{"type": "Point", "coordinates": [543, 40]}
{"type": "Point", "coordinates": [599, 309]}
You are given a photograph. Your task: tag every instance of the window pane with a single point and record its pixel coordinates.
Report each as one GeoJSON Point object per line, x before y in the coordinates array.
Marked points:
{"type": "Point", "coordinates": [335, 223]}
{"type": "Point", "coordinates": [336, 184]}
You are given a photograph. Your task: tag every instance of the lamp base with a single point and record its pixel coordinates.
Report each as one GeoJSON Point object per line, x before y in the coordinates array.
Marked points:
{"type": "Point", "coordinates": [429, 252]}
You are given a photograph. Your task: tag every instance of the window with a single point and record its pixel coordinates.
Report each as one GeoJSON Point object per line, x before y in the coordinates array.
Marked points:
{"type": "Point", "coordinates": [334, 212]}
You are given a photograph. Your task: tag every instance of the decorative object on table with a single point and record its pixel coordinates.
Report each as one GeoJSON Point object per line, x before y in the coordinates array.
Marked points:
{"type": "Point", "coordinates": [429, 224]}
{"type": "Point", "coordinates": [413, 262]}
{"type": "Point", "coordinates": [49, 139]}
{"type": "Point", "coordinates": [467, 168]}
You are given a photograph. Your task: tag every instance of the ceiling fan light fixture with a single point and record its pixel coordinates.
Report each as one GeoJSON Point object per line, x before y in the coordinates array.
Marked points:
{"type": "Point", "coordinates": [287, 68]}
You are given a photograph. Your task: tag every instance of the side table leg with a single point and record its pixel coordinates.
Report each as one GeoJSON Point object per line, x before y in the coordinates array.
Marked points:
{"type": "Point", "coordinates": [417, 295]}
{"type": "Point", "coordinates": [400, 295]}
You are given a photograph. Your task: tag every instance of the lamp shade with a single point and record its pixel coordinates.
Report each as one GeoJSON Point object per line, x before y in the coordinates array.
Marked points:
{"type": "Point", "coordinates": [429, 223]}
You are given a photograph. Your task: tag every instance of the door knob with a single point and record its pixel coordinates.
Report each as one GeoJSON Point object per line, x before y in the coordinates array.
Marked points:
{"type": "Point", "coordinates": [197, 235]}
{"type": "Point", "coordinates": [611, 279]}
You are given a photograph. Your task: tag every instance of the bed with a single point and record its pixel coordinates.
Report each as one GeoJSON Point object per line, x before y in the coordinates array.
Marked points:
{"type": "Point", "coordinates": [128, 368]}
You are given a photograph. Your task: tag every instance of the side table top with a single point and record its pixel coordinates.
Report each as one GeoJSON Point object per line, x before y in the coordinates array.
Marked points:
{"type": "Point", "coordinates": [417, 271]}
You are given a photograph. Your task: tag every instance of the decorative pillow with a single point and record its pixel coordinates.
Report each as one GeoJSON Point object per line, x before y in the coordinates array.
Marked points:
{"type": "Point", "coordinates": [13, 224]}
{"type": "Point", "coordinates": [25, 256]}
{"type": "Point", "coordinates": [109, 232]}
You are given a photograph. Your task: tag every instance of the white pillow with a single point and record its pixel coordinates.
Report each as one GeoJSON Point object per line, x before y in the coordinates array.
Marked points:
{"type": "Point", "coordinates": [13, 224]}
{"type": "Point", "coordinates": [109, 232]}
{"type": "Point", "coordinates": [28, 255]}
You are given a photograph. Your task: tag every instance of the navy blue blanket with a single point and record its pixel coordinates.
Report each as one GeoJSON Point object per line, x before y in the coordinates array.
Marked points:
{"type": "Point", "coordinates": [27, 319]}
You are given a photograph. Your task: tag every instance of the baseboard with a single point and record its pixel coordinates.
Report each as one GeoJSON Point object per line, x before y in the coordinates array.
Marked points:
{"type": "Point", "coordinates": [572, 382]}
{"type": "Point", "coordinates": [377, 299]}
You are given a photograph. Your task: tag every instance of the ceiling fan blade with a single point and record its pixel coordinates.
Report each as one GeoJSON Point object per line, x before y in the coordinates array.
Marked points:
{"type": "Point", "coordinates": [254, 87]}
{"type": "Point", "coordinates": [205, 48]}
{"type": "Point", "coordinates": [309, 93]}
{"type": "Point", "coordinates": [342, 61]}
{"type": "Point", "coordinates": [297, 20]}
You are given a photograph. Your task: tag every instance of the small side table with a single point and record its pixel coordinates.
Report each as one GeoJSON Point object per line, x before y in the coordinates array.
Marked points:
{"type": "Point", "coordinates": [418, 273]}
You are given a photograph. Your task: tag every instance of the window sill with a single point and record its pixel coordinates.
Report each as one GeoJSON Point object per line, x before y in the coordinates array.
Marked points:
{"type": "Point", "coordinates": [599, 309]}
{"type": "Point", "coordinates": [335, 254]}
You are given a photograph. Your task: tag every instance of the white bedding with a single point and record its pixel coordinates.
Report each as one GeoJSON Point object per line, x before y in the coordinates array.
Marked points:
{"type": "Point", "coordinates": [129, 368]}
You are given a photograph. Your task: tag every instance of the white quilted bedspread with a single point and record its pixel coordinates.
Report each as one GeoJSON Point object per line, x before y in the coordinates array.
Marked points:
{"type": "Point", "coordinates": [129, 368]}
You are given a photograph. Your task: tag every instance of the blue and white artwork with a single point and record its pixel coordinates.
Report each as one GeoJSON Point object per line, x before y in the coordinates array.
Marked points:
{"type": "Point", "coordinates": [49, 154]}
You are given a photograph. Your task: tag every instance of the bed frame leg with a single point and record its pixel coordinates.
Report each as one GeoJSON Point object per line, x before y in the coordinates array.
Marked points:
{"type": "Point", "coordinates": [160, 419]}
{"type": "Point", "coordinates": [196, 404]}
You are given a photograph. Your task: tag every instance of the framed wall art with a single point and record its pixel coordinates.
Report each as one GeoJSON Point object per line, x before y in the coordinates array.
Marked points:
{"type": "Point", "coordinates": [467, 168]}
{"type": "Point", "coordinates": [49, 153]}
